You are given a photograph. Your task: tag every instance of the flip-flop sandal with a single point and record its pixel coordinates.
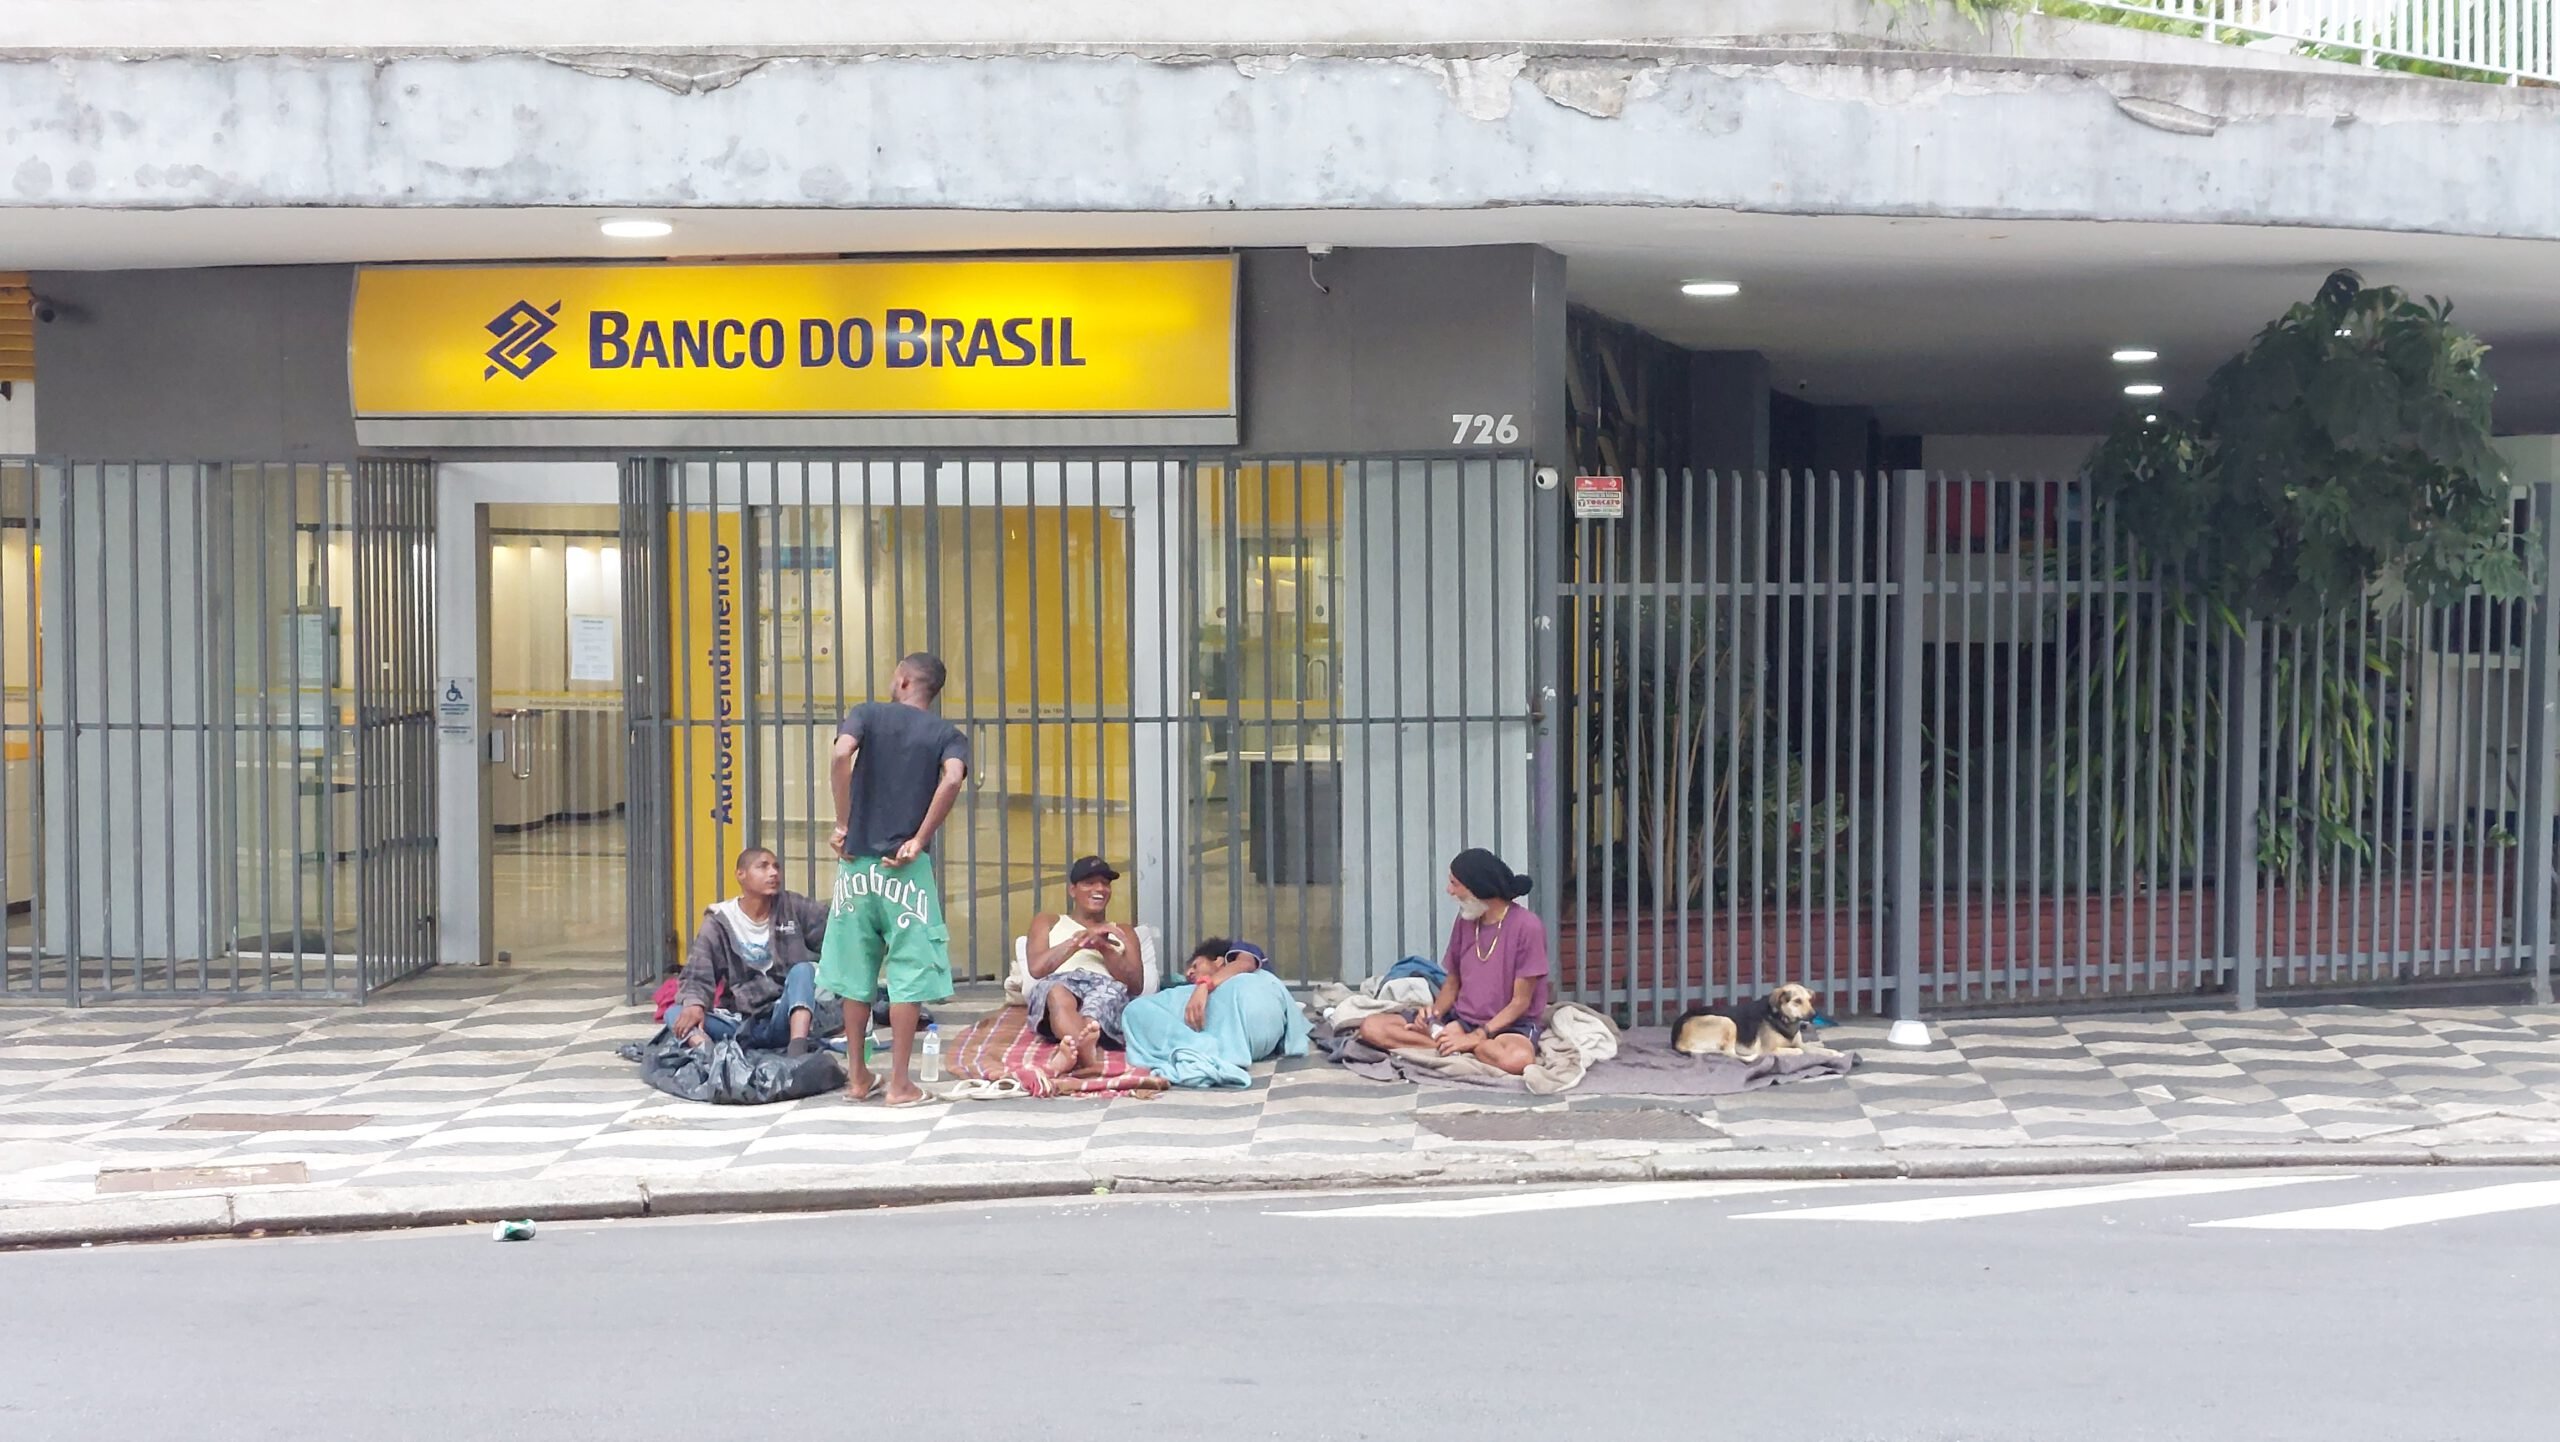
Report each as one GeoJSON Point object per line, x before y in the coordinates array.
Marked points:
{"type": "Point", "coordinates": [868, 1093]}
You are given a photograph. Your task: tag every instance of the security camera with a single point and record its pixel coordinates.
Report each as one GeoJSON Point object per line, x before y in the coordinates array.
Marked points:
{"type": "Point", "coordinates": [45, 313]}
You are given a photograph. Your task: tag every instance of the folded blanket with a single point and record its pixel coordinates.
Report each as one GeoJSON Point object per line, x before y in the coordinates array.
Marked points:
{"type": "Point", "coordinates": [1251, 1016]}
{"type": "Point", "coordinates": [1346, 1009]}
{"type": "Point", "coordinates": [1647, 1066]}
{"type": "Point", "coordinates": [1006, 1045]}
{"type": "Point", "coordinates": [1577, 1038]}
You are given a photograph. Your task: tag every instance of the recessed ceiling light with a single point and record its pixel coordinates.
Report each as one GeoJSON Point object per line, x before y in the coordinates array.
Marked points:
{"type": "Point", "coordinates": [637, 229]}
{"type": "Point", "coordinates": [1710, 289]}
{"type": "Point", "coordinates": [2145, 388]}
{"type": "Point", "coordinates": [2151, 420]}
{"type": "Point", "coordinates": [2135, 356]}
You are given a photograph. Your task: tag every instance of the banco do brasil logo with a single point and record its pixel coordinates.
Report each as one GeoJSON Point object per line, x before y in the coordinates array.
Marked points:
{"type": "Point", "coordinates": [522, 346]}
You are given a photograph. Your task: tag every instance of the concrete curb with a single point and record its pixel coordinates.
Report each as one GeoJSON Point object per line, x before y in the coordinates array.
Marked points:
{"type": "Point", "coordinates": [268, 1211]}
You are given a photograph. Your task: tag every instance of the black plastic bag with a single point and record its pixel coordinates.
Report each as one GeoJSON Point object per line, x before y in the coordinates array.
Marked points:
{"type": "Point", "coordinates": [727, 1074]}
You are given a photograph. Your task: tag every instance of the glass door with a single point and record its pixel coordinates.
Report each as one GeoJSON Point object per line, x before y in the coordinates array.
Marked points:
{"type": "Point", "coordinates": [558, 838]}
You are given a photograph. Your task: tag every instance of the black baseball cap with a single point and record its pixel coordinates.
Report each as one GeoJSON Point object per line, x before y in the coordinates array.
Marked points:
{"type": "Point", "coordinates": [1087, 868]}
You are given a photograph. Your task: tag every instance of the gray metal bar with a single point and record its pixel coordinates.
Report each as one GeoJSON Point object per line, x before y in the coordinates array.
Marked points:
{"type": "Point", "coordinates": [73, 954]}
{"type": "Point", "coordinates": [1544, 527]}
{"type": "Point", "coordinates": [218, 681]}
{"type": "Point", "coordinates": [1944, 616]}
{"type": "Point", "coordinates": [1575, 615]}
{"type": "Point", "coordinates": [1677, 821]}
{"type": "Point", "coordinates": [1783, 749]}
{"type": "Point", "coordinates": [2015, 669]}
{"type": "Point", "coordinates": [2047, 664]}
{"type": "Point", "coordinates": [335, 518]}
{"type": "Point", "coordinates": [1739, 837]}
{"type": "Point", "coordinates": [2506, 618]}
{"type": "Point", "coordinates": [1866, 981]}
{"type": "Point", "coordinates": [687, 816]}
{"type": "Point", "coordinates": [1958, 789]}
{"type": "Point", "coordinates": [1823, 631]}
{"type": "Point", "coordinates": [1911, 496]}
{"type": "Point", "coordinates": [970, 820]}
{"type": "Point", "coordinates": [2470, 728]}
{"type": "Point", "coordinates": [2246, 685]}
{"type": "Point", "coordinates": [2156, 622]}
{"type": "Point", "coordinates": [1758, 715]}
{"type": "Point", "coordinates": [2296, 786]}
{"type": "Point", "coordinates": [2111, 974]}
{"type": "Point", "coordinates": [2539, 815]}
{"type": "Point", "coordinates": [1127, 703]}
{"type": "Point", "coordinates": [1396, 670]}
{"type": "Point", "coordinates": [1606, 782]}
{"type": "Point", "coordinates": [13, 474]}
{"type": "Point", "coordinates": [1502, 476]}
{"type": "Point", "coordinates": [1649, 518]}
{"type": "Point", "coordinates": [140, 925]}
{"type": "Point", "coordinates": [1306, 767]}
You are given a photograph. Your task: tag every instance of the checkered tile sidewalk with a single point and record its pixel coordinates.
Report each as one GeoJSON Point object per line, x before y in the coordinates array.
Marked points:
{"type": "Point", "coordinates": [469, 1075]}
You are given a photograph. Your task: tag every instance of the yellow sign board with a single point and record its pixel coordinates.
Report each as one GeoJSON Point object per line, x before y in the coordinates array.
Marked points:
{"type": "Point", "coordinates": [1119, 337]}
{"type": "Point", "coordinates": [709, 786]}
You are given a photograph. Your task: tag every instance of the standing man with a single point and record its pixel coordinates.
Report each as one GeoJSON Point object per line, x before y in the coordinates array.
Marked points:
{"type": "Point", "coordinates": [898, 768]}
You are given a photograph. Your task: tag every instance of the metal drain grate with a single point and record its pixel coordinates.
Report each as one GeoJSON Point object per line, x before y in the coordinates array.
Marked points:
{"type": "Point", "coordinates": [1660, 1125]}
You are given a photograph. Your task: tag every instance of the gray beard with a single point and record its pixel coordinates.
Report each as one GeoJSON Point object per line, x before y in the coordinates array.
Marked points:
{"type": "Point", "coordinates": [1473, 910]}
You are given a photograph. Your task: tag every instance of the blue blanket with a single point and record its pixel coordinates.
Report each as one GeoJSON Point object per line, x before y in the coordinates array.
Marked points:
{"type": "Point", "coordinates": [1250, 1017]}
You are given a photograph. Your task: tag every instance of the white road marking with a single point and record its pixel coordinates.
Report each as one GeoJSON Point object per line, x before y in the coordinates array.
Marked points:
{"type": "Point", "coordinates": [2038, 1199]}
{"type": "Point", "coordinates": [2385, 1213]}
{"type": "Point", "coordinates": [1618, 1195]}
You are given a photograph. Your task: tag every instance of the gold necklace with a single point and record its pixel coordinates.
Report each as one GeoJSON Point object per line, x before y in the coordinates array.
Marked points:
{"type": "Point", "coordinates": [1484, 952]}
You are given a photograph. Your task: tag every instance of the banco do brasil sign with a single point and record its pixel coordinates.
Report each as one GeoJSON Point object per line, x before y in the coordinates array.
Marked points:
{"type": "Point", "coordinates": [1023, 338]}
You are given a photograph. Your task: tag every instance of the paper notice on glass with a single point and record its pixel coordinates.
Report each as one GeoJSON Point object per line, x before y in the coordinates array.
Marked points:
{"type": "Point", "coordinates": [590, 648]}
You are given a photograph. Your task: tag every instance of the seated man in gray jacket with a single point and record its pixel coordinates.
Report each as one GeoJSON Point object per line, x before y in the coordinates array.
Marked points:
{"type": "Point", "coordinates": [751, 971]}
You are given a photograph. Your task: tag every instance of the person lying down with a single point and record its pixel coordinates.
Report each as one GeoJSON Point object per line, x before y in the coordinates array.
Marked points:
{"type": "Point", "coordinates": [1230, 1013]}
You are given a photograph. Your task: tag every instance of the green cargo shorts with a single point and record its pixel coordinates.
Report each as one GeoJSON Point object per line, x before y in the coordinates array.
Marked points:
{"type": "Point", "coordinates": [886, 918]}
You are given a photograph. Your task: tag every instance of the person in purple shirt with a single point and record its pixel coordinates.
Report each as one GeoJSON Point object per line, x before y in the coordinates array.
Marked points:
{"type": "Point", "coordinates": [1494, 1003]}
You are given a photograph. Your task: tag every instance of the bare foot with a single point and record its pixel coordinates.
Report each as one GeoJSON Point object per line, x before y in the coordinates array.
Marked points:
{"type": "Point", "coordinates": [859, 1084]}
{"type": "Point", "coordinates": [904, 1096]}
{"type": "Point", "coordinates": [1092, 1049]}
{"type": "Point", "coordinates": [1066, 1058]}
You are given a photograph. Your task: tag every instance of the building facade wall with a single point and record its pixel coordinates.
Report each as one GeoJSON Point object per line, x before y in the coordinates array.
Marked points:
{"type": "Point", "coordinates": [1360, 352]}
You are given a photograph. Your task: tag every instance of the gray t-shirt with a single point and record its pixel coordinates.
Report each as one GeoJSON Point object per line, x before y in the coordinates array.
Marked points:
{"type": "Point", "coordinates": [895, 774]}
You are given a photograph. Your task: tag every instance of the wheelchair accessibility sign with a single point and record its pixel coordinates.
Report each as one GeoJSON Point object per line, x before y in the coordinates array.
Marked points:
{"type": "Point", "coordinates": [458, 708]}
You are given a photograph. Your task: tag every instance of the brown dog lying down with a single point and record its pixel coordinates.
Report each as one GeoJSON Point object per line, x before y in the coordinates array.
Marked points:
{"type": "Point", "coordinates": [1750, 1029]}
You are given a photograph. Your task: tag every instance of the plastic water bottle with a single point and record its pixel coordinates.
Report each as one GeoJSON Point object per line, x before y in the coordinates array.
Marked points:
{"type": "Point", "coordinates": [929, 1065]}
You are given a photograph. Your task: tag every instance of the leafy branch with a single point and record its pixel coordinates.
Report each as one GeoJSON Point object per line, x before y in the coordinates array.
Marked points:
{"type": "Point", "coordinates": [2342, 459]}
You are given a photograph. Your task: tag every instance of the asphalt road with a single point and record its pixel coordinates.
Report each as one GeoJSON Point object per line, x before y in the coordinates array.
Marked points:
{"type": "Point", "coordinates": [2345, 1308]}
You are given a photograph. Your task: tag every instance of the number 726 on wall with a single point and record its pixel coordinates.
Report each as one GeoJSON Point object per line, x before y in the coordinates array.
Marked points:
{"type": "Point", "coordinates": [1488, 430]}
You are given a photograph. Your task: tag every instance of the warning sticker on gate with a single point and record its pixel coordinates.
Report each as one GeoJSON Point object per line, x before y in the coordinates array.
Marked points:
{"type": "Point", "coordinates": [1599, 498]}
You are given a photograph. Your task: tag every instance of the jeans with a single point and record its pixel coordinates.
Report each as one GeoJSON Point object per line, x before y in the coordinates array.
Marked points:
{"type": "Point", "coordinates": [770, 1029]}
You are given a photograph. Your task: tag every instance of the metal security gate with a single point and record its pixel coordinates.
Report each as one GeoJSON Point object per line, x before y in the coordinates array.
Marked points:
{"type": "Point", "coordinates": [1931, 742]}
{"type": "Point", "coordinates": [395, 550]}
{"type": "Point", "coordinates": [1232, 676]}
{"type": "Point", "coordinates": [216, 769]}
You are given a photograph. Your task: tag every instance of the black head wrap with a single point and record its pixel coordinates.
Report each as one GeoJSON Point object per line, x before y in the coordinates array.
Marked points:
{"type": "Point", "coordinates": [1486, 878]}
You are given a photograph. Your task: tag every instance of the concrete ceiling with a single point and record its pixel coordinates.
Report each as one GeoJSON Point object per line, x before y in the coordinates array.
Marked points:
{"type": "Point", "coordinates": [1944, 326]}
